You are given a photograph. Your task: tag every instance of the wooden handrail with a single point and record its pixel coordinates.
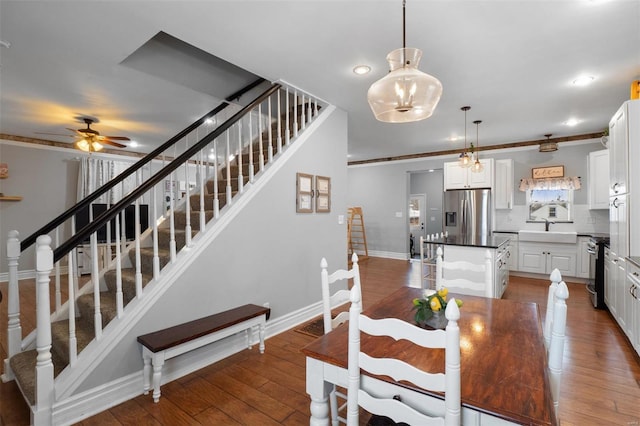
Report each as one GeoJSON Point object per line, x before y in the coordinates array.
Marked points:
{"type": "Point", "coordinates": [101, 220]}
{"type": "Point", "coordinates": [31, 239]}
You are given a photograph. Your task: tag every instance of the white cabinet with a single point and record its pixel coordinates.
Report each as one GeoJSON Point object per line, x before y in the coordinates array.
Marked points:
{"type": "Point", "coordinates": [456, 177]}
{"type": "Point", "coordinates": [633, 305]}
{"type": "Point", "coordinates": [504, 185]}
{"type": "Point", "coordinates": [542, 258]}
{"type": "Point", "coordinates": [618, 152]}
{"type": "Point", "coordinates": [598, 179]}
{"type": "Point", "coordinates": [584, 258]}
{"type": "Point", "coordinates": [512, 250]}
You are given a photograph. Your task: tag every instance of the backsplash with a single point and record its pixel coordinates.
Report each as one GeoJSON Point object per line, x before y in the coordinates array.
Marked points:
{"type": "Point", "coordinates": [584, 220]}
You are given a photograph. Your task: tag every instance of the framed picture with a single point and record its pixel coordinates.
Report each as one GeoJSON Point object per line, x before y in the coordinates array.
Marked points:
{"type": "Point", "coordinates": [304, 193]}
{"type": "Point", "coordinates": [323, 194]}
{"type": "Point", "coordinates": [547, 172]}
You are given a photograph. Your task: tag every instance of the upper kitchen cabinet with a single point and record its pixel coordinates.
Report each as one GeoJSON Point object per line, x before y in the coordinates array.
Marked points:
{"type": "Point", "coordinates": [624, 128]}
{"type": "Point", "coordinates": [504, 184]}
{"type": "Point", "coordinates": [456, 177]}
{"type": "Point", "coordinates": [598, 179]}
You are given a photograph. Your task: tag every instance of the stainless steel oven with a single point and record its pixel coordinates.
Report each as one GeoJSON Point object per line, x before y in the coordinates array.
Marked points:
{"type": "Point", "coordinates": [595, 284]}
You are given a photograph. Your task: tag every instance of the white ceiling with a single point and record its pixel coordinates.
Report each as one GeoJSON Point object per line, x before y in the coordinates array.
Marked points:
{"type": "Point", "coordinates": [512, 61]}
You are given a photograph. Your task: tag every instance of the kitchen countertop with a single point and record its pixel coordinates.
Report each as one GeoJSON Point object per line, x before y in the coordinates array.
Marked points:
{"type": "Point", "coordinates": [491, 241]}
{"type": "Point", "coordinates": [635, 260]}
{"type": "Point", "coordinates": [596, 235]}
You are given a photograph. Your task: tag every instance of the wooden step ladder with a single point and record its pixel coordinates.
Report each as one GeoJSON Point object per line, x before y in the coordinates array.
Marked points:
{"type": "Point", "coordinates": [356, 236]}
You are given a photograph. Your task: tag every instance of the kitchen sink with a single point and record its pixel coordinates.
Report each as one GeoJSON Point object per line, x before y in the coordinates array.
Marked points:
{"type": "Point", "coordinates": [548, 236]}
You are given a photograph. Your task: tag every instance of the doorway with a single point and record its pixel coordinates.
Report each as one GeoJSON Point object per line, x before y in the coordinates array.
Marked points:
{"type": "Point", "coordinates": [417, 218]}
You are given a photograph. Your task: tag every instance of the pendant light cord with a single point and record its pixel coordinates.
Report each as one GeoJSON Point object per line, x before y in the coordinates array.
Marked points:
{"type": "Point", "coordinates": [404, 21]}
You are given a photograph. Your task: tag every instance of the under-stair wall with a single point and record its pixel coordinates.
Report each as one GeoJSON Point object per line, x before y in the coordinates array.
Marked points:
{"type": "Point", "coordinates": [265, 253]}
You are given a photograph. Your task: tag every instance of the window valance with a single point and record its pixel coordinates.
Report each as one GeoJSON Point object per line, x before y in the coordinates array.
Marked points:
{"type": "Point", "coordinates": [550, 183]}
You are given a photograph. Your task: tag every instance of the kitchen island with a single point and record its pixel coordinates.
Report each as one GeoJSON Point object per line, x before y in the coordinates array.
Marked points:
{"type": "Point", "coordinates": [474, 250]}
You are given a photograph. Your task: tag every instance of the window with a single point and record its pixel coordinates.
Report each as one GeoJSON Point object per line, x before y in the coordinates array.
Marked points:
{"type": "Point", "coordinates": [550, 204]}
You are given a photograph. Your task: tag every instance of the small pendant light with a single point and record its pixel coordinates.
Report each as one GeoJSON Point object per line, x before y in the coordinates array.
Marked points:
{"type": "Point", "coordinates": [465, 159]}
{"type": "Point", "coordinates": [477, 165]}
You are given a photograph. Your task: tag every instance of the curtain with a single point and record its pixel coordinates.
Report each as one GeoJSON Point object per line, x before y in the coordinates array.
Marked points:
{"type": "Point", "coordinates": [550, 183]}
{"type": "Point", "coordinates": [95, 172]}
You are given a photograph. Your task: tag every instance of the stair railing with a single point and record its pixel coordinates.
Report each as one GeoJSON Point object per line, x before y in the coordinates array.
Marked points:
{"type": "Point", "coordinates": [65, 223]}
{"type": "Point", "coordinates": [219, 164]}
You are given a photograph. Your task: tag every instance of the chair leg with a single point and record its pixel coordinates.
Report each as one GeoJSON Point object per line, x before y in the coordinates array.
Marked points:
{"type": "Point", "coordinates": [333, 404]}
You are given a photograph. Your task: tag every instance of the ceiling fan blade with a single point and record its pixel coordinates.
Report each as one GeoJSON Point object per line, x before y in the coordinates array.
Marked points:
{"type": "Point", "coordinates": [112, 143]}
{"type": "Point", "coordinates": [118, 138]}
{"type": "Point", "coordinates": [75, 132]}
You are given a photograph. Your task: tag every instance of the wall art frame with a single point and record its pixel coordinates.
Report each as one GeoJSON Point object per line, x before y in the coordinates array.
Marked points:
{"type": "Point", "coordinates": [323, 194]}
{"type": "Point", "coordinates": [304, 193]}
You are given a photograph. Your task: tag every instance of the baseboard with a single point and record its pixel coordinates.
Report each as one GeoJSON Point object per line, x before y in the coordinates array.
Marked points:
{"type": "Point", "coordinates": [546, 277]}
{"type": "Point", "coordinates": [91, 402]}
{"type": "Point", "coordinates": [388, 254]}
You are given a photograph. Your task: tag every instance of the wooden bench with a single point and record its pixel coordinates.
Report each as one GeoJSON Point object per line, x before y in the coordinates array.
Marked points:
{"type": "Point", "coordinates": [161, 345]}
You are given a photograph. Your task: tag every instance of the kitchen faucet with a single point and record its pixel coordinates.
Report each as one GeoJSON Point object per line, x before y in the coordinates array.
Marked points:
{"type": "Point", "coordinates": [547, 222]}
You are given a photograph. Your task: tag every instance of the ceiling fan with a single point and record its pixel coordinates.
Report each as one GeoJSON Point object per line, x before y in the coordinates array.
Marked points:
{"type": "Point", "coordinates": [90, 140]}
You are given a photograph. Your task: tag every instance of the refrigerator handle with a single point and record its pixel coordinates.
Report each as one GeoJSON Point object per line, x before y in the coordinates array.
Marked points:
{"type": "Point", "coordinates": [463, 214]}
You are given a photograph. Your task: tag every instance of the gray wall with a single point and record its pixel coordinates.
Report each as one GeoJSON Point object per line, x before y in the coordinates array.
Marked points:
{"type": "Point", "coordinates": [382, 190]}
{"type": "Point", "coordinates": [430, 184]}
{"type": "Point", "coordinates": [280, 265]}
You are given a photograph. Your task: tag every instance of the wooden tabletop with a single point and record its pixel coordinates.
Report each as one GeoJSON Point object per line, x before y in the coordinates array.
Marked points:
{"type": "Point", "coordinates": [503, 359]}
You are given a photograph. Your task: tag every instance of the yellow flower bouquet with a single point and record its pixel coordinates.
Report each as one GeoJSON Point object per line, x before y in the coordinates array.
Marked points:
{"type": "Point", "coordinates": [432, 302]}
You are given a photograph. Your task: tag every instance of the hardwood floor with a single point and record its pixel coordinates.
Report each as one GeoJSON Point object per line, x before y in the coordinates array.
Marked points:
{"type": "Point", "coordinates": [600, 382]}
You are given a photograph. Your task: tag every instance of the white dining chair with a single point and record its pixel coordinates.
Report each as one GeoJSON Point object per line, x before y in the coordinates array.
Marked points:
{"type": "Point", "coordinates": [331, 301]}
{"type": "Point", "coordinates": [556, 345]}
{"type": "Point", "coordinates": [555, 279]}
{"type": "Point", "coordinates": [388, 405]}
{"type": "Point", "coordinates": [454, 275]}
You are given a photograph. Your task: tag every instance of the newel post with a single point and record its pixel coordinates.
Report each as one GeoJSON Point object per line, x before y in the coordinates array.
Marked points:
{"type": "Point", "coordinates": [44, 364]}
{"type": "Point", "coordinates": [14, 330]}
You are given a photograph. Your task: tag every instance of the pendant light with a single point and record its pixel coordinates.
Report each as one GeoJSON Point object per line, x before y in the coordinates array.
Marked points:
{"type": "Point", "coordinates": [477, 165]}
{"type": "Point", "coordinates": [465, 159]}
{"type": "Point", "coordinates": [405, 94]}
{"type": "Point", "coordinates": [548, 146]}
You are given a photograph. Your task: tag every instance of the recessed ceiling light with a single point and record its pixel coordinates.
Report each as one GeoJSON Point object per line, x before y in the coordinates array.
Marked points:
{"type": "Point", "coordinates": [453, 138]}
{"type": "Point", "coordinates": [583, 80]}
{"type": "Point", "coordinates": [133, 144]}
{"type": "Point", "coordinates": [361, 69]}
{"type": "Point", "coordinates": [572, 122]}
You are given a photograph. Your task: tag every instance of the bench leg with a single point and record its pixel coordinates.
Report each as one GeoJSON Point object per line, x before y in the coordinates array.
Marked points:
{"type": "Point", "coordinates": [261, 334]}
{"type": "Point", "coordinates": [249, 335]}
{"type": "Point", "coordinates": [146, 372]}
{"type": "Point", "coordinates": [158, 362]}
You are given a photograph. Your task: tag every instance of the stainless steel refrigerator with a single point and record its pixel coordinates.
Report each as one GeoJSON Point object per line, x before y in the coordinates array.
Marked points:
{"type": "Point", "coordinates": [467, 213]}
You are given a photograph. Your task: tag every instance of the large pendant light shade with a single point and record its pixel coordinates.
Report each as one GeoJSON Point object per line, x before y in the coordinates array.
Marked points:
{"type": "Point", "coordinates": [405, 94]}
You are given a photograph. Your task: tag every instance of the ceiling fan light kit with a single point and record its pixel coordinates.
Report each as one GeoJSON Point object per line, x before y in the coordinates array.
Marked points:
{"type": "Point", "coordinates": [405, 94]}
{"type": "Point", "coordinates": [548, 146]}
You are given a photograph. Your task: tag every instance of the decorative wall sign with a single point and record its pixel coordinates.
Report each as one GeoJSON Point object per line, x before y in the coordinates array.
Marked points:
{"type": "Point", "coordinates": [323, 194]}
{"type": "Point", "coordinates": [304, 193]}
{"type": "Point", "coordinates": [547, 172]}
{"type": "Point", "coordinates": [4, 170]}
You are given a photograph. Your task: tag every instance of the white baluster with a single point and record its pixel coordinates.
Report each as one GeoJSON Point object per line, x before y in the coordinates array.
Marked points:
{"type": "Point", "coordinates": [303, 119]}
{"type": "Point", "coordinates": [14, 329]}
{"type": "Point", "coordinates": [119, 299]}
{"type": "Point", "coordinates": [270, 133]}
{"type": "Point", "coordinates": [239, 160]}
{"type": "Point", "coordinates": [187, 228]}
{"type": "Point", "coordinates": [44, 365]}
{"type": "Point", "coordinates": [287, 135]}
{"type": "Point", "coordinates": [97, 315]}
{"type": "Point", "coordinates": [260, 130]}
{"type": "Point", "coordinates": [172, 221]}
{"type": "Point", "coordinates": [295, 113]}
{"type": "Point", "coordinates": [251, 170]}
{"type": "Point", "coordinates": [202, 189]}
{"type": "Point", "coordinates": [279, 125]}
{"type": "Point", "coordinates": [137, 243]}
{"type": "Point", "coordinates": [57, 269]}
{"type": "Point", "coordinates": [216, 200]}
{"type": "Point", "coordinates": [73, 343]}
{"type": "Point", "coordinates": [156, 256]}
{"type": "Point", "coordinates": [228, 164]}
{"type": "Point", "coordinates": [309, 116]}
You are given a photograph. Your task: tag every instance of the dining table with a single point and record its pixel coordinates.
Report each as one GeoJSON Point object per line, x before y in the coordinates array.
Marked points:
{"type": "Point", "coordinates": [503, 362]}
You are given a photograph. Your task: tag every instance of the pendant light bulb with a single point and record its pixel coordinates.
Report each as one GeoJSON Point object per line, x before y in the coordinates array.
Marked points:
{"type": "Point", "coordinates": [477, 165]}
{"type": "Point", "coordinates": [405, 94]}
{"type": "Point", "coordinates": [465, 159]}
